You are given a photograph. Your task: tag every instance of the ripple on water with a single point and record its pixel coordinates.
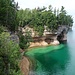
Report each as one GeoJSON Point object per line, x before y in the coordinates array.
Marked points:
{"type": "Point", "coordinates": [55, 60]}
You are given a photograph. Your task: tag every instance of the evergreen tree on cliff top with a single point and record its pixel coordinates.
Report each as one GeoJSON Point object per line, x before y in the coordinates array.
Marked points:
{"type": "Point", "coordinates": [39, 17]}
{"type": "Point", "coordinates": [8, 14]}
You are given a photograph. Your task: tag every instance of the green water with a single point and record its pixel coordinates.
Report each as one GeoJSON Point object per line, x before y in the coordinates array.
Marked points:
{"type": "Point", "coordinates": [55, 60]}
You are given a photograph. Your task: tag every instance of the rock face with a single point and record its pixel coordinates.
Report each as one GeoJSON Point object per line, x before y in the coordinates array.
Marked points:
{"type": "Point", "coordinates": [29, 29]}
{"type": "Point", "coordinates": [37, 44]}
{"type": "Point", "coordinates": [48, 37]}
{"type": "Point", "coordinates": [14, 38]}
{"type": "Point", "coordinates": [43, 43]}
{"type": "Point", "coordinates": [24, 66]}
{"type": "Point", "coordinates": [55, 42]}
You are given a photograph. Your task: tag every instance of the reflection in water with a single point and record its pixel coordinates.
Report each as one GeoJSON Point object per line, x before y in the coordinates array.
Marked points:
{"type": "Point", "coordinates": [60, 61]}
{"type": "Point", "coordinates": [54, 62]}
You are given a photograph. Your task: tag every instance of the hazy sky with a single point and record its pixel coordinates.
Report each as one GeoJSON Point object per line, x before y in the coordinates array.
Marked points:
{"type": "Point", "coordinates": [68, 4]}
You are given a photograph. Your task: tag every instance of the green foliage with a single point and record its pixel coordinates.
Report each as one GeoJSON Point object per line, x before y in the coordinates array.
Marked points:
{"type": "Point", "coordinates": [9, 55]}
{"type": "Point", "coordinates": [16, 73]}
{"type": "Point", "coordinates": [63, 18]}
{"type": "Point", "coordinates": [8, 14]}
{"type": "Point", "coordinates": [39, 17]}
{"type": "Point", "coordinates": [2, 29]}
{"type": "Point", "coordinates": [24, 41]}
{"type": "Point", "coordinates": [36, 18]}
{"type": "Point", "coordinates": [40, 30]}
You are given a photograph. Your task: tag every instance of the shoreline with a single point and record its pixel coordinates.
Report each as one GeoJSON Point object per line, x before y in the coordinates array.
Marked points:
{"type": "Point", "coordinates": [30, 60]}
{"type": "Point", "coordinates": [43, 44]}
{"type": "Point", "coordinates": [30, 53]}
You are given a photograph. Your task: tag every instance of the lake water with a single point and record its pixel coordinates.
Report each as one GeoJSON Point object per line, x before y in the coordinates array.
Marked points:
{"type": "Point", "coordinates": [55, 60]}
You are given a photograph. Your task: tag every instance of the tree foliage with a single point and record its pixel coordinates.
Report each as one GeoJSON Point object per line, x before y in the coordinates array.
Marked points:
{"type": "Point", "coordinates": [63, 18]}
{"type": "Point", "coordinates": [11, 18]}
{"type": "Point", "coordinates": [9, 55]}
{"type": "Point", "coordinates": [39, 17]}
{"type": "Point", "coordinates": [8, 14]}
{"type": "Point", "coordinates": [24, 40]}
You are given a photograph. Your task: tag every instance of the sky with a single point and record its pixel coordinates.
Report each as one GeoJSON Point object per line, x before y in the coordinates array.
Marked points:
{"type": "Point", "coordinates": [68, 4]}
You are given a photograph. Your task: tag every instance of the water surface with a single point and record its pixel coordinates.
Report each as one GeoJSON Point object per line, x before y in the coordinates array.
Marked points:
{"type": "Point", "coordinates": [55, 60]}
